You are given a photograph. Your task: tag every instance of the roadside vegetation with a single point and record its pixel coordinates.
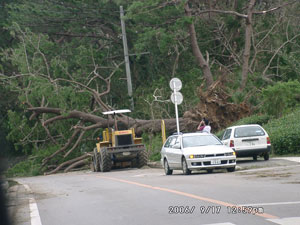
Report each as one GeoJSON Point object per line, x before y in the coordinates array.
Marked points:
{"type": "Point", "coordinates": [62, 65]}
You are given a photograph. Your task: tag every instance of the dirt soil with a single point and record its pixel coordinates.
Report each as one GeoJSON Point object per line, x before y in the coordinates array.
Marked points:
{"type": "Point", "coordinates": [215, 106]}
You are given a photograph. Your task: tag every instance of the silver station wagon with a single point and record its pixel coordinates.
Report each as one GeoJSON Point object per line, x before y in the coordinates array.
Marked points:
{"type": "Point", "coordinates": [196, 151]}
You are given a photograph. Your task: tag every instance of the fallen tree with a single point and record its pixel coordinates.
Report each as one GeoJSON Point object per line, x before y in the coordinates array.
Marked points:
{"type": "Point", "coordinates": [140, 126]}
{"type": "Point", "coordinates": [214, 104]}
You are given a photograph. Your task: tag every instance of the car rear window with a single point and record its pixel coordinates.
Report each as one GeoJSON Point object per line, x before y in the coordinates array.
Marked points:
{"type": "Point", "coordinates": [200, 140]}
{"type": "Point", "coordinates": [248, 131]}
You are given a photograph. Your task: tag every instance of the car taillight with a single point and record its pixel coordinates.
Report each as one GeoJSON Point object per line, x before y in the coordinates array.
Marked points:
{"type": "Point", "coordinates": [231, 145]}
{"type": "Point", "coordinates": [268, 140]}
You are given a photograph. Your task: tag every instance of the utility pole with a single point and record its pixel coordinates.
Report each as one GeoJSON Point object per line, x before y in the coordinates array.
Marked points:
{"type": "Point", "coordinates": [126, 56]}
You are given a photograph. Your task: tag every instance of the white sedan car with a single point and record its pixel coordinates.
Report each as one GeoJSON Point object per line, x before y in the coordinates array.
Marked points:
{"type": "Point", "coordinates": [196, 151]}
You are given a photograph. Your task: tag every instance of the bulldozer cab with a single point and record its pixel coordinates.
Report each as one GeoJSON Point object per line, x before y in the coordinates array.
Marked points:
{"type": "Point", "coordinates": [113, 137]}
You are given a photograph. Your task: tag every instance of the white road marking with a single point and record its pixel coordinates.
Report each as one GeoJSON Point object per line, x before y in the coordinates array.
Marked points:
{"type": "Point", "coordinates": [139, 175]}
{"type": "Point", "coordinates": [286, 221]}
{"type": "Point", "coordinates": [220, 224]}
{"type": "Point", "coordinates": [34, 211]}
{"type": "Point", "coordinates": [271, 203]}
{"type": "Point", "coordinates": [147, 175]}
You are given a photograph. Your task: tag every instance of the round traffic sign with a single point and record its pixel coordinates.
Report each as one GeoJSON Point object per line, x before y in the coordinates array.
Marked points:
{"type": "Point", "coordinates": [177, 98]}
{"type": "Point", "coordinates": [176, 84]}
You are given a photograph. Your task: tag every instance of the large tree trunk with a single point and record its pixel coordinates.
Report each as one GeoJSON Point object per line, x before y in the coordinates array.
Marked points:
{"type": "Point", "coordinates": [196, 50]}
{"type": "Point", "coordinates": [139, 125]}
{"type": "Point", "coordinates": [248, 36]}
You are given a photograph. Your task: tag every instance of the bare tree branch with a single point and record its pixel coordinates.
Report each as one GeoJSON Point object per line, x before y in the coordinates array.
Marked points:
{"type": "Point", "coordinates": [274, 9]}
{"type": "Point", "coordinates": [68, 163]}
{"type": "Point", "coordinates": [86, 117]}
{"type": "Point", "coordinates": [46, 160]}
{"type": "Point", "coordinates": [76, 143]}
{"type": "Point", "coordinates": [199, 12]}
{"type": "Point", "coordinates": [276, 52]}
{"type": "Point", "coordinates": [79, 163]}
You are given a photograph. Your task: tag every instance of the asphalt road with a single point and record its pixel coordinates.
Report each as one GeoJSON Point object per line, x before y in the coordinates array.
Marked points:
{"type": "Point", "coordinates": [261, 192]}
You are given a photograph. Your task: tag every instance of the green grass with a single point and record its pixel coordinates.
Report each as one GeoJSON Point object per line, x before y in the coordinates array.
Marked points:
{"type": "Point", "coordinates": [24, 169]}
{"type": "Point", "coordinates": [153, 144]}
{"type": "Point", "coordinates": [285, 134]}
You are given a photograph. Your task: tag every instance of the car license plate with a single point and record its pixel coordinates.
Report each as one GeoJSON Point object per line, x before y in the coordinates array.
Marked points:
{"type": "Point", "coordinates": [126, 153]}
{"type": "Point", "coordinates": [215, 162]}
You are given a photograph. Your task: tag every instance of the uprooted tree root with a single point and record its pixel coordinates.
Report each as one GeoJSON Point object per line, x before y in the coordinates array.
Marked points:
{"type": "Point", "coordinates": [215, 106]}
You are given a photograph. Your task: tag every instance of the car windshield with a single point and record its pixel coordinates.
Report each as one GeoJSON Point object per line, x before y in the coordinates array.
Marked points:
{"type": "Point", "coordinates": [248, 131]}
{"type": "Point", "coordinates": [200, 140]}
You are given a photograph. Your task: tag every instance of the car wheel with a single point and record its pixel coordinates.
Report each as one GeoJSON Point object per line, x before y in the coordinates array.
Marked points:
{"type": "Point", "coordinates": [266, 156]}
{"type": "Point", "coordinates": [185, 169]}
{"type": "Point", "coordinates": [231, 169]}
{"type": "Point", "coordinates": [167, 168]}
{"type": "Point", "coordinates": [255, 157]}
{"type": "Point", "coordinates": [209, 170]}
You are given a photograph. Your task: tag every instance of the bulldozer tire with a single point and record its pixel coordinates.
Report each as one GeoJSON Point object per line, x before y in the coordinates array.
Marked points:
{"type": "Point", "coordinates": [142, 158]}
{"type": "Point", "coordinates": [104, 161]}
{"type": "Point", "coordinates": [95, 163]}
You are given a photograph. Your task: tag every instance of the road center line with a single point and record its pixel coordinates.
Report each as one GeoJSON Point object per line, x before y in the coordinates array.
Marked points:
{"type": "Point", "coordinates": [271, 203]}
{"type": "Point", "coordinates": [264, 215]}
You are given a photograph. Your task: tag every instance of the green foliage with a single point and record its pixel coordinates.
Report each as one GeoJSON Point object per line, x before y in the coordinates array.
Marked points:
{"type": "Point", "coordinates": [7, 101]}
{"type": "Point", "coordinates": [24, 169]}
{"type": "Point", "coordinates": [281, 98]}
{"type": "Point", "coordinates": [284, 133]}
{"type": "Point", "coordinates": [32, 166]}
{"type": "Point", "coordinates": [153, 144]}
{"type": "Point", "coordinates": [254, 119]}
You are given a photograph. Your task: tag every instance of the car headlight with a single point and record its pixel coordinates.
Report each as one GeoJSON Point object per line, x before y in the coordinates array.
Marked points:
{"type": "Point", "coordinates": [229, 153]}
{"type": "Point", "coordinates": [196, 156]}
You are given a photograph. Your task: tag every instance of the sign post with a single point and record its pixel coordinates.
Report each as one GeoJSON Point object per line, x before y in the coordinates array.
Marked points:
{"type": "Point", "coordinates": [176, 97]}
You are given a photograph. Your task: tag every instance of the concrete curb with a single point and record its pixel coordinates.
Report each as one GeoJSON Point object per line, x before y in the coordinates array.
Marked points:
{"type": "Point", "coordinates": [156, 164]}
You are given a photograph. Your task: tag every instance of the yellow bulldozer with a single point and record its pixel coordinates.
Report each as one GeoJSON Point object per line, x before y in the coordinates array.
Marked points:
{"type": "Point", "coordinates": [118, 148]}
